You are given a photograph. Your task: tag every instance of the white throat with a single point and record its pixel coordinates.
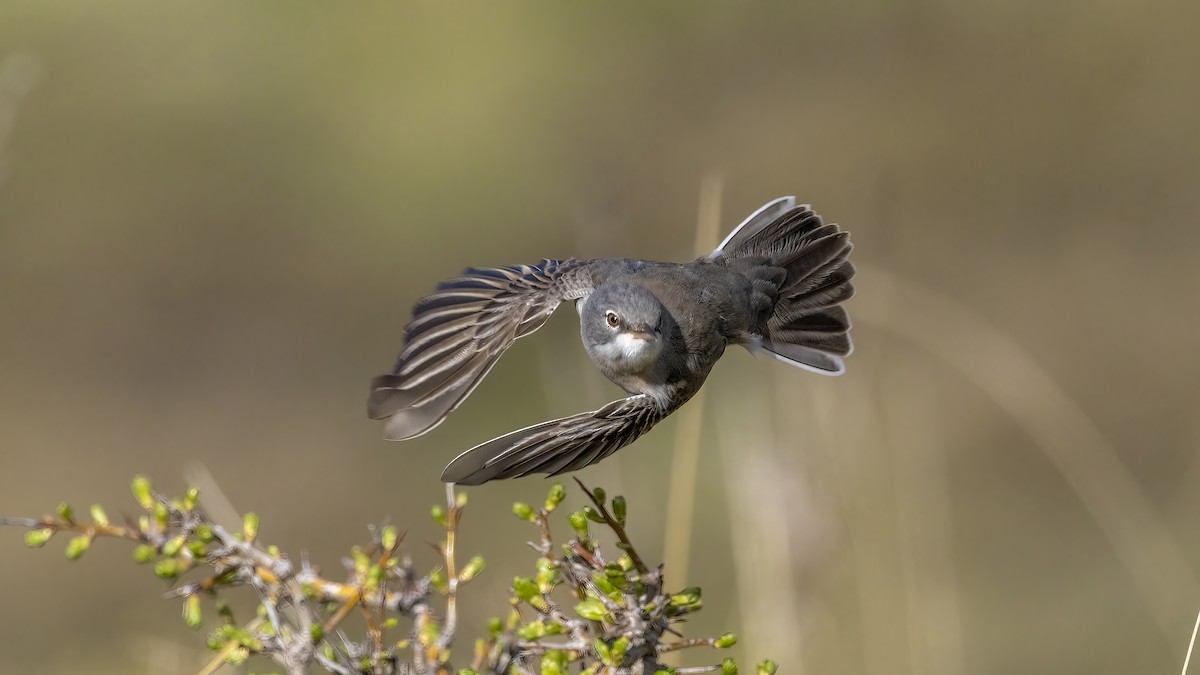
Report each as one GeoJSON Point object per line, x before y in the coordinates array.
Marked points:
{"type": "Point", "coordinates": [629, 353]}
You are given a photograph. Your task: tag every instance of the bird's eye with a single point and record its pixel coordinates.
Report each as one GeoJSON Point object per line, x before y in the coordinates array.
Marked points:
{"type": "Point", "coordinates": [612, 319]}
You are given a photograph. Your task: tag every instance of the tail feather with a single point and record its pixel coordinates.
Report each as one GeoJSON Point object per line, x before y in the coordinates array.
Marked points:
{"type": "Point", "coordinates": [807, 327]}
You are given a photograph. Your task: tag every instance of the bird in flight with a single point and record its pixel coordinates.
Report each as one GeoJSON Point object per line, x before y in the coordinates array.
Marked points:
{"type": "Point", "coordinates": [656, 329]}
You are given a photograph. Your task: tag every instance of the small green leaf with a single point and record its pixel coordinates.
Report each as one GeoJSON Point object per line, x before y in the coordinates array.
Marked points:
{"type": "Point", "coordinates": [728, 666]}
{"type": "Point", "coordinates": [725, 641]}
{"type": "Point", "coordinates": [439, 515]}
{"type": "Point", "coordinates": [591, 608]}
{"type": "Point", "coordinates": [603, 651]}
{"type": "Point", "coordinates": [204, 533]}
{"type": "Point", "coordinates": [556, 495]}
{"type": "Point", "coordinates": [618, 507]}
{"type": "Point", "coordinates": [77, 546]}
{"type": "Point", "coordinates": [495, 627]}
{"type": "Point", "coordinates": [532, 630]}
{"type": "Point", "coordinates": [438, 578]}
{"type": "Point", "coordinates": [554, 662]}
{"type": "Point", "coordinates": [191, 611]}
{"type": "Point", "coordinates": [523, 511]}
{"type": "Point", "coordinates": [592, 514]}
{"type": "Point", "coordinates": [767, 667]}
{"type": "Point", "coordinates": [142, 492]}
{"type": "Point", "coordinates": [38, 538]}
{"type": "Point", "coordinates": [250, 526]}
{"type": "Point", "coordinates": [618, 650]}
{"type": "Point", "coordinates": [99, 516]}
{"type": "Point", "coordinates": [65, 512]}
{"type": "Point", "coordinates": [315, 632]}
{"type": "Point", "coordinates": [191, 498]}
{"type": "Point", "coordinates": [525, 588]}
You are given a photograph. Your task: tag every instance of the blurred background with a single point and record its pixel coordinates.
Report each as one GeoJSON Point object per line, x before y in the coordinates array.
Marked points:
{"type": "Point", "coordinates": [215, 217]}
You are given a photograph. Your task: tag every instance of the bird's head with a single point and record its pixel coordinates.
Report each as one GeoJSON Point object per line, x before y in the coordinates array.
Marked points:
{"type": "Point", "coordinates": [622, 325]}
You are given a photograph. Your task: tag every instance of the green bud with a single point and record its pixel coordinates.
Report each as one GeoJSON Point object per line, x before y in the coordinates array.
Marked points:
{"type": "Point", "coordinates": [687, 596]}
{"type": "Point", "coordinates": [514, 618]}
{"type": "Point", "coordinates": [77, 546]}
{"type": "Point", "coordinates": [578, 523]}
{"type": "Point", "coordinates": [65, 512]}
{"type": "Point", "coordinates": [390, 623]}
{"type": "Point", "coordinates": [439, 515]}
{"type": "Point", "coordinates": [466, 671]}
{"type": "Point", "coordinates": [591, 608]}
{"type": "Point", "coordinates": [460, 499]}
{"type": "Point", "coordinates": [523, 511]}
{"type": "Point", "coordinates": [767, 667]}
{"type": "Point", "coordinates": [142, 492]}
{"type": "Point", "coordinates": [547, 575]}
{"type": "Point", "coordinates": [168, 568]}
{"type": "Point", "coordinates": [238, 656]}
{"type": "Point", "coordinates": [428, 634]}
{"type": "Point", "coordinates": [626, 563]}
{"type": "Point", "coordinates": [144, 553]}
{"type": "Point", "coordinates": [495, 627]}
{"type": "Point", "coordinates": [191, 498]}
{"type": "Point", "coordinates": [728, 666]}
{"type": "Point", "coordinates": [161, 515]}
{"type": "Point", "coordinates": [600, 495]}
{"type": "Point", "coordinates": [374, 576]}
{"type": "Point", "coordinates": [191, 611]}
{"type": "Point", "coordinates": [172, 546]}
{"type": "Point", "coordinates": [224, 611]}
{"type": "Point", "coordinates": [38, 538]}
{"type": "Point", "coordinates": [524, 588]}
{"type": "Point", "coordinates": [315, 632]}
{"type": "Point", "coordinates": [555, 497]}
{"type": "Point", "coordinates": [99, 516]}
{"type": "Point", "coordinates": [204, 533]}
{"type": "Point", "coordinates": [144, 523]}
{"type": "Point", "coordinates": [592, 514]}
{"type": "Point", "coordinates": [389, 538]}
{"type": "Point", "coordinates": [250, 526]}
{"type": "Point", "coordinates": [554, 662]}
{"type": "Point", "coordinates": [198, 549]}
{"type": "Point", "coordinates": [618, 507]}
{"type": "Point", "coordinates": [725, 641]}
{"type": "Point", "coordinates": [471, 570]}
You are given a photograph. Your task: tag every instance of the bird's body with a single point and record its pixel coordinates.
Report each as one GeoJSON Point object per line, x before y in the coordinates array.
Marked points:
{"type": "Point", "coordinates": [655, 329]}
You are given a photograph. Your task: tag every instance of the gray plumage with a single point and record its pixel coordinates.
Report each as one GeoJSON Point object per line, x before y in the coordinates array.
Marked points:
{"type": "Point", "coordinates": [776, 283]}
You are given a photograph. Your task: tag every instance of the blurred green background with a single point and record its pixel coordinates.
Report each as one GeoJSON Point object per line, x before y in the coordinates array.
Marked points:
{"type": "Point", "coordinates": [214, 218]}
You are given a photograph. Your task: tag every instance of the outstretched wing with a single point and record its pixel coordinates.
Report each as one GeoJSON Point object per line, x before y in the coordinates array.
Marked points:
{"type": "Point", "coordinates": [459, 332]}
{"type": "Point", "coordinates": [559, 445]}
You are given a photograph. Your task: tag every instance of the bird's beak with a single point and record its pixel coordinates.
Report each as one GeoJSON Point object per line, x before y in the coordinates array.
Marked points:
{"type": "Point", "coordinates": [647, 335]}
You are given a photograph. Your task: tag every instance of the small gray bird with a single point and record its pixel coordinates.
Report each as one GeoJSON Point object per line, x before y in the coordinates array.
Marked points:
{"type": "Point", "coordinates": [775, 284]}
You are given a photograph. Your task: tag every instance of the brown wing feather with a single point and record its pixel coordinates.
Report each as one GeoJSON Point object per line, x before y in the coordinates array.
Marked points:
{"type": "Point", "coordinates": [559, 445]}
{"type": "Point", "coordinates": [459, 332]}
